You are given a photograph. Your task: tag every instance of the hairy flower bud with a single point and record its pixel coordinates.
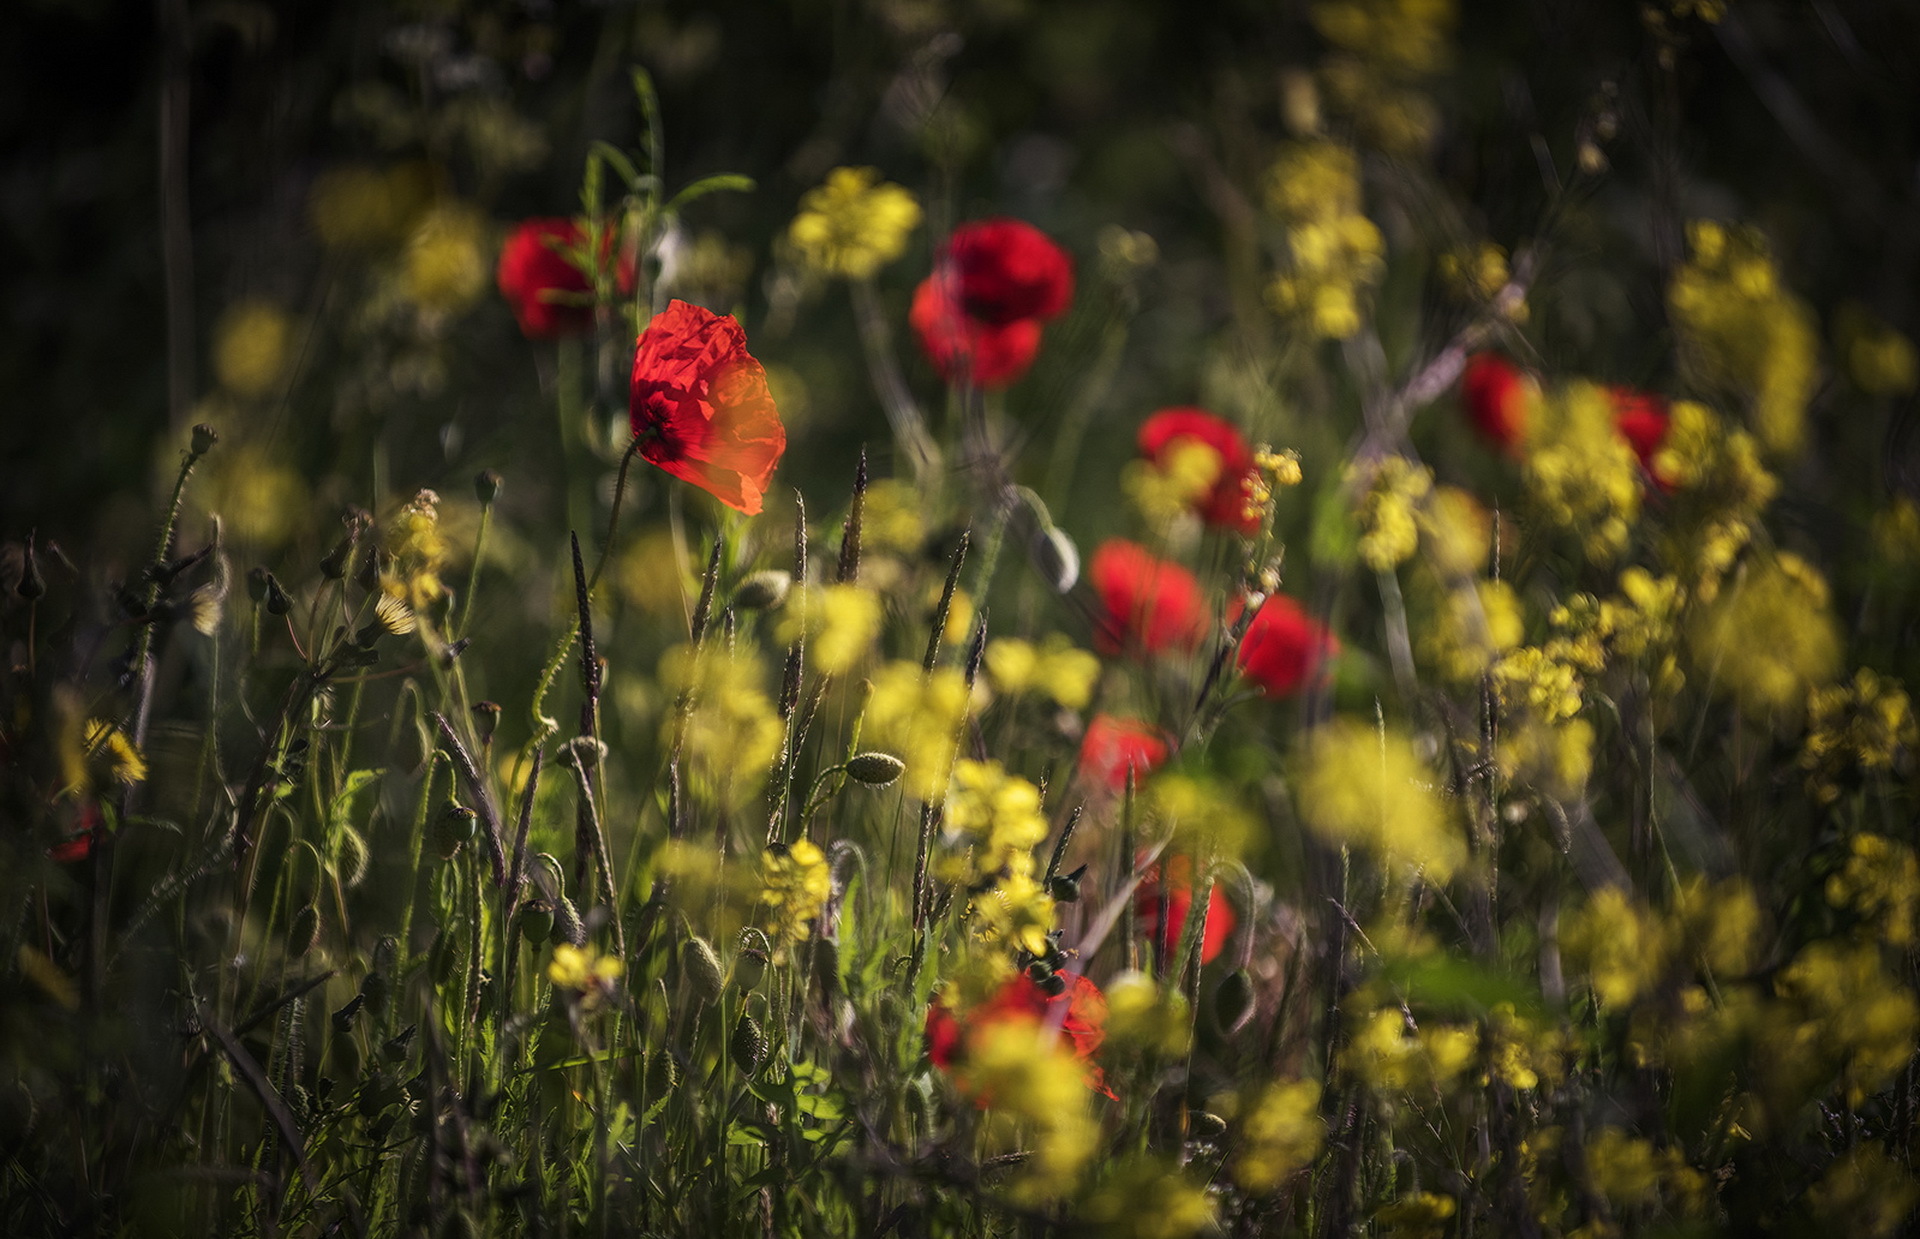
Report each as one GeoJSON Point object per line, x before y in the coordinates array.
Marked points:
{"type": "Point", "coordinates": [453, 829]}
{"type": "Point", "coordinates": [875, 769]}
{"type": "Point", "coordinates": [751, 963]}
{"type": "Point", "coordinates": [204, 437]}
{"type": "Point", "coordinates": [748, 1045]}
{"type": "Point", "coordinates": [763, 591]}
{"type": "Point", "coordinates": [703, 968]}
{"type": "Point", "coordinates": [536, 920]}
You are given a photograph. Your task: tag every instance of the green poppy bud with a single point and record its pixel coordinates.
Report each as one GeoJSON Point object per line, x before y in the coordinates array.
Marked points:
{"type": "Point", "coordinates": [1233, 1001]}
{"type": "Point", "coordinates": [875, 769]}
{"type": "Point", "coordinates": [486, 485]}
{"type": "Point", "coordinates": [703, 968]}
{"type": "Point", "coordinates": [748, 1045]}
{"type": "Point", "coordinates": [454, 828]}
{"type": "Point", "coordinates": [536, 920]}
{"type": "Point", "coordinates": [762, 591]}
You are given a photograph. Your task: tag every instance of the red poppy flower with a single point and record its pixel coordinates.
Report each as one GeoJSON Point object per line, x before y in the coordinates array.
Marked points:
{"type": "Point", "coordinates": [91, 828]}
{"type": "Point", "coordinates": [978, 315]}
{"type": "Point", "coordinates": [1115, 745]}
{"type": "Point", "coordinates": [965, 348]}
{"type": "Point", "coordinates": [1007, 270]}
{"type": "Point", "coordinates": [1496, 394]}
{"type": "Point", "coordinates": [549, 296]}
{"type": "Point", "coordinates": [1148, 604]}
{"type": "Point", "coordinates": [1175, 892]}
{"type": "Point", "coordinates": [1283, 647]}
{"type": "Point", "coordinates": [701, 408]}
{"type": "Point", "coordinates": [1225, 505]}
{"type": "Point", "coordinates": [1642, 420]}
{"type": "Point", "coordinates": [1080, 1011]}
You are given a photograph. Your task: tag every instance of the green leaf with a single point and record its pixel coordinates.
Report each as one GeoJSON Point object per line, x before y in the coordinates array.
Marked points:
{"type": "Point", "coordinates": [710, 185]}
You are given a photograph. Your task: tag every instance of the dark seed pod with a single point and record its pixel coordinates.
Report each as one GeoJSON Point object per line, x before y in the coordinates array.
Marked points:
{"type": "Point", "coordinates": [344, 1017]}
{"type": "Point", "coordinates": [486, 719]}
{"type": "Point", "coordinates": [486, 486]}
{"type": "Point", "coordinates": [1206, 1125]}
{"type": "Point", "coordinates": [567, 926]}
{"type": "Point", "coordinates": [340, 558]}
{"type": "Point", "coordinates": [375, 990]}
{"type": "Point", "coordinates": [304, 933]}
{"type": "Point", "coordinates": [204, 437]}
{"type": "Point", "coordinates": [703, 967]}
{"type": "Point", "coordinates": [453, 829]}
{"type": "Point", "coordinates": [1233, 1001]}
{"type": "Point", "coordinates": [751, 963]}
{"type": "Point", "coordinates": [257, 585]}
{"type": "Point", "coordinates": [875, 769]}
{"type": "Point", "coordinates": [1038, 971]}
{"type": "Point", "coordinates": [748, 1045]}
{"type": "Point", "coordinates": [1064, 887]}
{"type": "Point", "coordinates": [395, 1048]}
{"type": "Point", "coordinates": [277, 601]}
{"type": "Point", "coordinates": [32, 585]}
{"type": "Point", "coordinates": [536, 920]}
{"type": "Point", "coordinates": [762, 591]}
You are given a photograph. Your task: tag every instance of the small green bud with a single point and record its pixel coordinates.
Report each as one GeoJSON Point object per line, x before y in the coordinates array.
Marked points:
{"type": "Point", "coordinates": [455, 827]}
{"type": "Point", "coordinates": [748, 1045]}
{"type": "Point", "coordinates": [1206, 1125]}
{"type": "Point", "coordinates": [277, 601]}
{"type": "Point", "coordinates": [751, 963]}
{"type": "Point", "coordinates": [875, 769]}
{"type": "Point", "coordinates": [486, 485]}
{"type": "Point", "coordinates": [703, 968]}
{"type": "Point", "coordinates": [567, 926]}
{"type": "Point", "coordinates": [536, 920]}
{"type": "Point", "coordinates": [486, 719]}
{"type": "Point", "coordinates": [204, 437]}
{"type": "Point", "coordinates": [664, 1070]}
{"type": "Point", "coordinates": [763, 591]}
{"type": "Point", "coordinates": [1233, 1001]}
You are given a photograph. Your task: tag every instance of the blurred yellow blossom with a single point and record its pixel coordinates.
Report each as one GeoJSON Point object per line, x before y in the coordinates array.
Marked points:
{"type": "Point", "coordinates": [994, 818]}
{"type": "Point", "coordinates": [105, 740]}
{"type": "Point", "coordinates": [893, 517]}
{"type": "Point", "coordinates": [1880, 883]}
{"type": "Point", "coordinates": [445, 267]}
{"type": "Point", "coordinates": [1336, 255]}
{"type": "Point", "coordinates": [1145, 1016]}
{"type": "Point", "coordinates": [1367, 788]}
{"type": "Point", "coordinates": [1581, 473]}
{"type": "Point", "coordinates": [1422, 1215]}
{"type": "Point", "coordinates": [1742, 332]}
{"type": "Point", "coordinates": [1281, 1133]}
{"type": "Point", "coordinates": [1864, 1194]}
{"type": "Point", "coordinates": [250, 346]}
{"type": "Point", "coordinates": [585, 972]}
{"type": "Point", "coordinates": [1145, 1197]}
{"type": "Point", "coordinates": [361, 208]}
{"type": "Point", "coordinates": [1842, 1013]}
{"type": "Point", "coordinates": [1389, 533]}
{"type": "Point", "coordinates": [841, 621]}
{"type": "Point", "coordinates": [1056, 667]}
{"type": "Point", "coordinates": [1770, 637]}
{"type": "Point", "coordinates": [1864, 726]}
{"type": "Point", "coordinates": [1029, 1076]}
{"type": "Point", "coordinates": [1618, 944]}
{"type": "Point", "coordinates": [794, 886]}
{"type": "Point", "coordinates": [732, 733]}
{"type": "Point", "coordinates": [916, 716]}
{"type": "Point", "coordinates": [1388, 1053]}
{"type": "Point", "coordinates": [1879, 359]}
{"type": "Point", "coordinates": [853, 224]}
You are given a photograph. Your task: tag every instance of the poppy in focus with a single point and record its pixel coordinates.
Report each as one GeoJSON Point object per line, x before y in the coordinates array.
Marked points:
{"type": "Point", "coordinates": [1170, 885]}
{"type": "Point", "coordinates": [979, 314]}
{"type": "Point", "coordinates": [1080, 1009]}
{"type": "Point", "coordinates": [1283, 647]}
{"type": "Point", "coordinates": [1496, 394]}
{"type": "Point", "coordinates": [1115, 745]}
{"type": "Point", "coordinates": [549, 296]}
{"type": "Point", "coordinates": [1147, 604]}
{"type": "Point", "coordinates": [1225, 503]}
{"type": "Point", "coordinates": [701, 409]}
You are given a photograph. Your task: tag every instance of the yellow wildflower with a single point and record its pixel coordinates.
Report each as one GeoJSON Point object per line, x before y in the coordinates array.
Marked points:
{"type": "Point", "coordinates": [917, 716]}
{"type": "Point", "coordinates": [854, 224]}
{"type": "Point", "coordinates": [1389, 534]}
{"type": "Point", "coordinates": [1145, 1197]}
{"type": "Point", "coordinates": [1282, 1133]}
{"type": "Point", "coordinates": [1368, 789]}
{"type": "Point", "coordinates": [1173, 484]}
{"type": "Point", "coordinates": [893, 517]}
{"type": "Point", "coordinates": [1621, 947]}
{"type": "Point", "coordinates": [124, 760]}
{"type": "Point", "coordinates": [1146, 1016]}
{"type": "Point", "coordinates": [794, 886]}
{"type": "Point", "coordinates": [359, 208]}
{"type": "Point", "coordinates": [1580, 472]}
{"type": "Point", "coordinates": [584, 971]}
{"type": "Point", "coordinates": [1879, 359]}
{"type": "Point", "coordinates": [445, 266]}
{"type": "Point", "coordinates": [1770, 638]}
{"type": "Point", "coordinates": [1422, 1215]}
{"type": "Point", "coordinates": [1336, 255]}
{"type": "Point", "coordinates": [1842, 1011]}
{"type": "Point", "coordinates": [1031, 1079]}
{"type": "Point", "coordinates": [733, 733]}
{"type": "Point", "coordinates": [841, 621]}
{"type": "Point", "coordinates": [1865, 726]}
{"type": "Point", "coordinates": [250, 346]}
{"type": "Point", "coordinates": [1880, 883]}
{"type": "Point", "coordinates": [1864, 1195]}
{"type": "Point", "coordinates": [996, 816]}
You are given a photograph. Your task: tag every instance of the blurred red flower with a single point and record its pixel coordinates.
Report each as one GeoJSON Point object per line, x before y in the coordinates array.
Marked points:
{"type": "Point", "coordinates": [1115, 745]}
{"type": "Point", "coordinates": [960, 347]}
{"type": "Point", "coordinates": [979, 314]}
{"type": "Point", "coordinates": [1080, 1009]}
{"type": "Point", "coordinates": [700, 406]}
{"type": "Point", "coordinates": [1496, 393]}
{"type": "Point", "coordinates": [1225, 505]}
{"type": "Point", "coordinates": [1283, 647]}
{"type": "Point", "coordinates": [1642, 419]}
{"type": "Point", "coordinates": [1148, 604]}
{"type": "Point", "coordinates": [549, 296]}
{"type": "Point", "coordinates": [1171, 885]}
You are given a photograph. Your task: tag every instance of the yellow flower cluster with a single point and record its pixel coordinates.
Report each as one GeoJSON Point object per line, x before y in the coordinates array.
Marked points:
{"type": "Point", "coordinates": [854, 224]}
{"type": "Point", "coordinates": [1880, 883]}
{"type": "Point", "coordinates": [892, 518]}
{"type": "Point", "coordinates": [1475, 273]}
{"type": "Point", "coordinates": [1620, 946]}
{"type": "Point", "coordinates": [1879, 359]}
{"type": "Point", "coordinates": [1841, 1013]}
{"type": "Point", "coordinates": [1271, 471]}
{"type": "Point", "coordinates": [419, 549]}
{"type": "Point", "coordinates": [1390, 1055]}
{"type": "Point", "coordinates": [994, 822]}
{"type": "Point", "coordinates": [1770, 638]}
{"type": "Point", "coordinates": [124, 761]}
{"type": "Point", "coordinates": [1145, 1197]}
{"type": "Point", "coordinates": [1742, 332]}
{"type": "Point", "coordinates": [1143, 1015]}
{"type": "Point", "coordinates": [1716, 470]}
{"type": "Point", "coordinates": [444, 269]}
{"type": "Point", "coordinates": [1281, 1133]}
{"type": "Point", "coordinates": [1470, 628]}
{"type": "Point", "coordinates": [1031, 1079]}
{"type": "Point", "coordinates": [1198, 814]}
{"type": "Point", "coordinates": [916, 716]}
{"type": "Point", "coordinates": [250, 346]}
{"type": "Point", "coordinates": [584, 971]}
{"type": "Point", "coordinates": [1336, 254]}
{"type": "Point", "coordinates": [1056, 667]}
{"type": "Point", "coordinates": [360, 208]}
{"type": "Point", "coordinates": [1864, 726]}
{"type": "Point", "coordinates": [794, 885]}
{"type": "Point", "coordinates": [1389, 532]}
{"type": "Point", "coordinates": [841, 621]}
{"type": "Point", "coordinates": [733, 732]}
{"type": "Point", "coordinates": [1168, 489]}
{"type": "Point", "coordinates": [1864, 1195]}
{"type": "Point", "coordinates": [1385, 48]}
{"type": "Point", "coordinates": [1367, 788]}
{"type": "Point", "coordinates": [1580, 473]}
{"type": "Point", "coordinates": [1422, 1215]}
{"type": "Point", "coordinates": [1631, 1173]}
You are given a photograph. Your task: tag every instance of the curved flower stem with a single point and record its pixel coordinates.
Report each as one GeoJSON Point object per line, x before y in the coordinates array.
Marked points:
{"type": "Point", "coordinates": [473, 571]}
{"type": "Point", "coordinates": [909, 424]}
